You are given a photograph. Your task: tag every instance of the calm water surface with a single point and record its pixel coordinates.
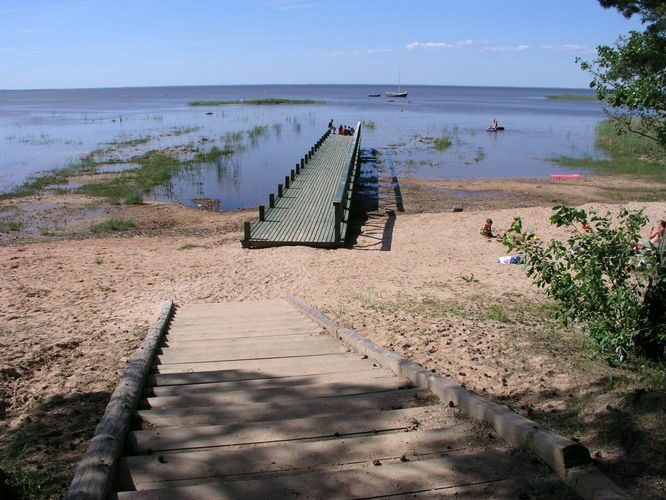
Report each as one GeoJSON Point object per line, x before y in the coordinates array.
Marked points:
{"type": "Point", "coordinates": [43, 130]}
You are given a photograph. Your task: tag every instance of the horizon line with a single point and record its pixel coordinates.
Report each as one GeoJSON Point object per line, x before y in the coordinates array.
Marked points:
{"type": "Point", "coordinates": [287, 85]}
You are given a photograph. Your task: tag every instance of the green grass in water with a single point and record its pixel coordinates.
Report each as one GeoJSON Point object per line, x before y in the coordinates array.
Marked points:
{"type": "Point", "coordinates": [213, 155]}
{"type": "Point", "coordinates": [572, 97]}
{"type": "Point", "coordinates": [629, 153]}
{"type": "Point", "coordinates": [134, 198]}
{"type": "Point", "coordinates": [132, 142]}
{"type": "Point", "coordinates": [255, 102]}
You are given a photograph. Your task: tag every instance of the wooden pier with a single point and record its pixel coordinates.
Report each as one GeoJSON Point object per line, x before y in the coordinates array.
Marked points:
{"type": "Point", "coordinates": [312, 206]}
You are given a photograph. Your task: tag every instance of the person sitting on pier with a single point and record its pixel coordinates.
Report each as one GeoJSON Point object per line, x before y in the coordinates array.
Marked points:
{"type": "Point", "coordinates": [341, 130]}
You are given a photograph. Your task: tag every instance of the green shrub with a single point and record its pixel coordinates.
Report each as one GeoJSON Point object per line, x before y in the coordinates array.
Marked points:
{"type": "Point", "coordinates": [113, 225]}
{"type": "Point", "coordinates": [600, 280]}
{"type": "Point", "coordinates": [134, 198]}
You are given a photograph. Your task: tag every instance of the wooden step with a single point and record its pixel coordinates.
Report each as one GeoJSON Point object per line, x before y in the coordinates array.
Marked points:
{"type": "Point", "coordinates": [149, 471]}
{"type": "Point", "coordinates": [324, 426]}
{"type": "Point", "coordinates": [301, 382]}
{"type": "Point", "coordinates": [265, 367]}
{"type": "Point", "coordinates": [451, 474]}
{"type": "Point", "coordinates": [209, 415]}
{"type": "Point", "coordinates": [277, 394]}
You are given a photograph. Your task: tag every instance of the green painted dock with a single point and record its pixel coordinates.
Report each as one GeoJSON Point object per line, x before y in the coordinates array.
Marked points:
{"type": "Point", "coordinates": [312, 206]}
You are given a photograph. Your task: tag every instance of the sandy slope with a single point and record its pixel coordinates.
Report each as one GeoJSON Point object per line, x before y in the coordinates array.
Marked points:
{"type": "Point", "coordinates": [73, 311]}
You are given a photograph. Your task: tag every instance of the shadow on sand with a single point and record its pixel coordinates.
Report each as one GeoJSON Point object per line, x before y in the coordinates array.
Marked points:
{"type": "Point", "coordinates": [377, 198]}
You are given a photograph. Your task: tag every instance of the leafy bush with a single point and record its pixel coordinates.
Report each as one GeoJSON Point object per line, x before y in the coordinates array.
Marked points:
{"type": "Point", "coordinates": [134, 198]}
{"type": "Point", "coordinates": [600, 280]}
{"type": "Point", "coordinates": [113, 224]}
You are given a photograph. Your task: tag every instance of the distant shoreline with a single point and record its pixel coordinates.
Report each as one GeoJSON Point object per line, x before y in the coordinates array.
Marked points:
{"type": "Point", "coordinates": [572, 97]}
{"type": "Point", "coordinates": [271, 101]}
{"type": "Point", "coordinates": [308, 85]}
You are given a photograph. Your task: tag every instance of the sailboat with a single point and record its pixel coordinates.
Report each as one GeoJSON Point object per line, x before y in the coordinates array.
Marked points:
{"type": "Point", "coordinates": [400, 92]}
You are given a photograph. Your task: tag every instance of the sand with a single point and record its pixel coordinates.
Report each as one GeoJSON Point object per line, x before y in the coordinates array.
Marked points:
{"type": "Point", "coordinates": [73, 308]}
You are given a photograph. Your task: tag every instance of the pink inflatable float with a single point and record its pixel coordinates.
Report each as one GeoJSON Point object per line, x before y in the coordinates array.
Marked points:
{"type": "Point", "coordinates": [565, 176]}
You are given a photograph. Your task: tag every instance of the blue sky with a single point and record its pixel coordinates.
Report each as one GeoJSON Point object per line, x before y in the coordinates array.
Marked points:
{"type": "Point", "coordinates": [115, 43]}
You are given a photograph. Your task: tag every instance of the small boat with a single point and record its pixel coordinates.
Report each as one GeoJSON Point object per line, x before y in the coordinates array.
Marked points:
{"type": "Point", "coordinates": [374, 95]}
{"type": "Point", "coordinates": [400, 92]}
{"type": "Point", "coordinates": [496, 129]}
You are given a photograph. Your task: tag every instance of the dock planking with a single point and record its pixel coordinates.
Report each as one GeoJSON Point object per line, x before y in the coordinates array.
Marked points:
{"type": "Point", "coordinates": [307, 211]}
{"type": "Point", "coordinates": [304, 422]}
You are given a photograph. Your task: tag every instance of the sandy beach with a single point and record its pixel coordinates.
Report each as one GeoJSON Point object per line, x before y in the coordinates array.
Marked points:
{"type": "Point", "coordinates": [75, 306]}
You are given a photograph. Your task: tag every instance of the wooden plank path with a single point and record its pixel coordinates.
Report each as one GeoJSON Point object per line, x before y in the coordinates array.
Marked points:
{"type": "Point", "coordinates": [312, 207]}
{"type": "Point", "coordinates": [255, 400]}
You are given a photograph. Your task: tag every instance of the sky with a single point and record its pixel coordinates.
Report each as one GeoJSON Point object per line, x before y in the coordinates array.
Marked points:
{"type": "Point", "coordinates": [125, 43]}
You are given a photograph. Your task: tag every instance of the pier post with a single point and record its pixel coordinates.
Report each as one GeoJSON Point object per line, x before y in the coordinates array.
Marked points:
{"type": "Point", "coordinates": [262, 213]}
{"type": "Point", "coordinates": [286, 182]}
{"type": "Point", "coordinates": [338, 220]}
{"type": "Point", "coordinates": [302, 163]}
{"type": "Point", "coordinates": [271, 200]}
{"type": "Point", "coordinates": [298, 168]}
{"type": "Point", "coordinates": [279, 190]}
{"type": "Point", "coordinates": [293, 174]}
{"type": "Point", "coordinates": [247, 229]}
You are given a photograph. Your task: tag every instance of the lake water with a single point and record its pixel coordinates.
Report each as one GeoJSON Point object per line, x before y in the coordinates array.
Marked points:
{"type": "Point", "coordinates": [42, 130]}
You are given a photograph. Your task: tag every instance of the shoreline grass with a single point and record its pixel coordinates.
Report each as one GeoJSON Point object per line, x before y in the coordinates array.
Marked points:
{"type": "Point", "coordinates": [113, 225]}
{"type": "Point", "coordinates": [629, 153]}
{"type": "Point", "coordinates": [156, 168]}
{"type": "Point", "coordinates": [269, 101]}
{"type": "Point", "coordinates": [572, 97]}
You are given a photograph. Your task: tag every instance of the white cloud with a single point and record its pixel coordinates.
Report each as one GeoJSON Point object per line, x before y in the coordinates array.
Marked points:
{"type": "Point", "coordinates": [515, 48]}
{"type": "Point", "coordinates": [570, 47]}
{"type": "Point", "coordinates": [429, 45]}
{"type": "Point", "coordinates": [357, 52]}
{"type": "Point", "coordinates": [446, 45]}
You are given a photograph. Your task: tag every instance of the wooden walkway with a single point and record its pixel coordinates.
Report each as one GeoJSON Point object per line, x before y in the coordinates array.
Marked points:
{"type": "Point", "coordinates": [312, 206]}
{"type": "Point", "coordinates": [254, 400]}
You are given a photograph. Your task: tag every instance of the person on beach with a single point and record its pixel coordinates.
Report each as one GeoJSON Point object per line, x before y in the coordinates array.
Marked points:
{"type": "Point", "coordinates": [655, 237]}
{"type": "Point", "coordinates": [487, 229]}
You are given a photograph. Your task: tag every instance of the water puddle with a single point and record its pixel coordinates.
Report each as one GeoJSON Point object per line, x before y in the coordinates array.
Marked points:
{"type": "Point", "coordinates": [92, 213]}
{"type": "Point", "coordinates": [41, 207]}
